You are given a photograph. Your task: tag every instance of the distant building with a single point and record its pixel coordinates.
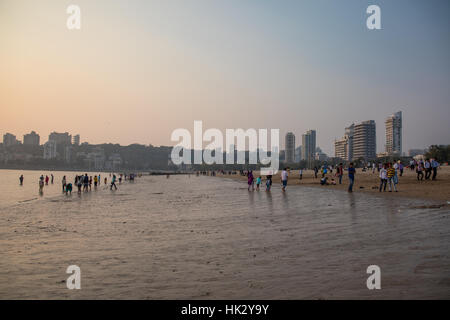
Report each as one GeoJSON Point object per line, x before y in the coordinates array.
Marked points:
{"type": "Point", "coordinates": [50, 150]}
{"type": "Point", "coordinates": [416, 152]}
{"type": "Point", "coordinates": [309, 146]}
{"type": "Point", "coordinates": [298, 154]}
{"type": "Point", "coordinates": [394, 134]}
{"type": "Point", "coordinates": [290, 147]}
{"type": "Point", "coordinates": [10, 140]}
{"type": "Point", "coordinates": [320, 155]}
{"type": "Point", "coordinates": [96, 158]}
{"type": "Point", "coordinates": [60, 138]}
{"type": "Point", "coordinates": [31, 139]}
{"type": "Point", "coordinates": [343, 148]}
{"type": "Point", "coordinates": [364, 140]}
{"type": "Point", "coordinates": [76, 140]}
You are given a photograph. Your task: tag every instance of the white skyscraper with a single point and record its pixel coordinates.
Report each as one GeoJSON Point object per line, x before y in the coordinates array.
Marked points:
{"type": "Point", "coordinates": [394, 134]}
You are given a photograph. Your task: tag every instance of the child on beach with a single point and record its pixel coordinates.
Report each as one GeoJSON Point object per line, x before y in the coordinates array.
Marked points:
{"type": "Point", "coordinates": [258, 182]}
{"type": "Point", "coordinates": [268, 182]}
{"type": "Point", "coordinates": [69, 188]}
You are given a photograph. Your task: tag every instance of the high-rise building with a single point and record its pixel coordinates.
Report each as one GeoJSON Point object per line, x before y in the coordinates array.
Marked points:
{"type": "Point", "coordinates": [309, 146]}
{"type": "Point", "coordinates": [394, 134]}
{"type": "Point", "coordinates": [298, 154]}
{"type": "Point", "coordinates": [9, 140]}
{"type": "Point", "coordinates": [290, 147]}
{"type": "Point", "coordinates": [364, 140]}
{"type": "Point", "coordinates": [76, 140]}
{"type": "Point", "coordinates": [31, 139]}
{"type": "Point", "coordinates": [343, 148]}
{"type": "Point", "coordinates": [60, 138]}
{"type": "Point", "coordinates": [50, 149]}
{"type": "Point", "coordinates": [320, 155]}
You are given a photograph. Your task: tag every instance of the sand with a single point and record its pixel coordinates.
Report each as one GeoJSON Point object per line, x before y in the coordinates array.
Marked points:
{"type": "Point", "coordinates": [408, 186]}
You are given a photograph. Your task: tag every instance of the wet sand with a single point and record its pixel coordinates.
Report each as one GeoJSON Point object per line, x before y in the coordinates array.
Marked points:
{"type": "Point", "coordinates": [368, 182]}
{"type": "Point", "coordinates": [208, 238]}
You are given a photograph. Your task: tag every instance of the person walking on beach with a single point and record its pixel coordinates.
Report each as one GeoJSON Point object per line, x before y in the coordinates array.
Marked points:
{"type": "Point", "coordinates": [46, 180]}
{"type": "Point", "coordinates": [113, 182]}
{"type": "Point", "coordinates": [85, 183]}
{"type": "Point", "coordinates": [351, 176]}
{"type": "Point", "coordinates": [434, 167]}
{"type": "Point", "coordinates": [390, 176]}
{"type": "Point", "coordinates": [400, 168]}
{"type": "Point", "coordinates": [21, 179]}
{"type": "Point", "coordinates": [64, 184]}
{"type": "Point", "coordinates": [106, 181]}
{"type": "Point", "coordinates": [268, 182]}
{"type": "Point", "coordinates": [383, 178]}
{"type": "Point", "coordinates": [95, 182]}
{"type": "Point", "coordinates": [284, 179]}
{"type": "Point", "coordinates": [250, 180]}
{"type": "Point", "coordinates": [41, 184]}
{"type": "Point", "coordinates": [340, 172]}
{"type": "Point", "coordinates": [419, 170]}
{"type": "Point", "coordinates": [427, 166]}
{"type": "Point", "coordinates": [315, 172]}
{"type": "Point", "coordinates": [52, 178]}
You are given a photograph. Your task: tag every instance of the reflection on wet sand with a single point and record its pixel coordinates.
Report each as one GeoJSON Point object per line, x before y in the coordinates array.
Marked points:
{"type": "Point", "coordinates": [203, 237]}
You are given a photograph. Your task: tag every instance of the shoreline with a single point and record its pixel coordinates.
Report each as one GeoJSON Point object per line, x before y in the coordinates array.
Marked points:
{"type": "Point", "coordinates": [368, 182]}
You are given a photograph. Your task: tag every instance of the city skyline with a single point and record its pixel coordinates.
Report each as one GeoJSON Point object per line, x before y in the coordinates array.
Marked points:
{"type": "Point", "coordinates": [137, 71]}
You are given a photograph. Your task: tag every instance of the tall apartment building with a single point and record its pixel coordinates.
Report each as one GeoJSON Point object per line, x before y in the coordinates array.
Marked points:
{"type": "Point", "coordinates": [290, 147]}
{"type": "Point", "coordinates": [76, 140]}
{"type": "Point", "coordinates": [50, 150]}
{"type": "Point", "coordinates": [31, 139]}
{"type": "Point", "coordinates": [9, 140]}
{"type": "Point", "coordinates": [60, 138]}
{"type": "Point", "coordinates": [394, 134]}
{"type": "Point", "coordinates": [309, 146]}
{"type": "Point", "coordinates": [364, 140]}
{"type": "Point", "coordinates": [343, 148]}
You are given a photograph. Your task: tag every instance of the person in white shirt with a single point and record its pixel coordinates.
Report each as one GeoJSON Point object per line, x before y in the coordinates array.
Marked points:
{"type": "Point", "coordinates": [284, 178]}
{"type": "Point", "coordinates": [383, 178]}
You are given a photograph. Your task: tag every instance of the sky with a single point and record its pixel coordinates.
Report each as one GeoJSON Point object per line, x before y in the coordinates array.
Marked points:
{"type": "Point", "coordinates": [137, 70]}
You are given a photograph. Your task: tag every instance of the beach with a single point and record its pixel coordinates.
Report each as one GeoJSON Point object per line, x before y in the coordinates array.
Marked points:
{"type": "Point", "coordinates": [188, 237]}
{"type": "Point", "coordinates": [368, 182]}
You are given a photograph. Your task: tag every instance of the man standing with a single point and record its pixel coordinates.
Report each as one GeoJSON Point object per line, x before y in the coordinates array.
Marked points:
{"type": "Point", "coordinates": [284, 178]}
{"type": "Point", "coordinates": [427, 169]}
{"type": "Point", "coordinates": [390, 176]}
{"type": "Point", "coordinates": [351, 176]}
{"type": "Point", "coordinates": [340, 172]}
{"type": "Point", "coordinates": [434, 166]}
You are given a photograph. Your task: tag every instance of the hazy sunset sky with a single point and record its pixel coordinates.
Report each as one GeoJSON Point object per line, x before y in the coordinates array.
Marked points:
{"type": "Point", "coordinates": [137, 70]}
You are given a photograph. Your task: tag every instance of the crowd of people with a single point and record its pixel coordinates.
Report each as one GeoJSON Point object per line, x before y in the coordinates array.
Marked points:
{"type": "Point", "coordinates": [388, 172]}
{"type": "Point", "coordinates": [82, 182]}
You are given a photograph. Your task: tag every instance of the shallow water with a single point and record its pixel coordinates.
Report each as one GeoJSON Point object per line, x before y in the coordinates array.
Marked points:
{"type": "Point", "coordinates": [209, 238]}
